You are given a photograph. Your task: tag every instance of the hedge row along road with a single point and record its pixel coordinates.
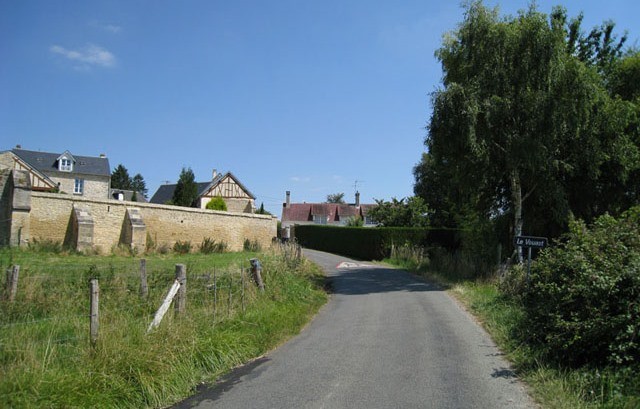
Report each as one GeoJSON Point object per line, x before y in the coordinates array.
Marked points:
{"type": "Point", "coordinates": [384, 340]}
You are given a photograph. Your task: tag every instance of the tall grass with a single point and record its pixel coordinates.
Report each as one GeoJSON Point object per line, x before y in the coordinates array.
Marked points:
{"type": "Point", "coordinates": [46, 358]}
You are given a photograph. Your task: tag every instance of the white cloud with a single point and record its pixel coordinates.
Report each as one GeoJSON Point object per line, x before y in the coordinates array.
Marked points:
{"type": "Point", "coordinates": [111, 28]}
{"type": "Point", "coordinates": [300, 179]}
{"type": "Point", "coordinates": [90, 55]}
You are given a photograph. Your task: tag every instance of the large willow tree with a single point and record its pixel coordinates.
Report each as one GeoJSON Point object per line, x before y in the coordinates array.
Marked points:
{"type": "Point", "coordinates": [523, 125]}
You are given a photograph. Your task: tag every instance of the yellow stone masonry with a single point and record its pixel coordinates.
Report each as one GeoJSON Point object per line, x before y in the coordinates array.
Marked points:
{"type": "Point", "coordinates": [51, 215]}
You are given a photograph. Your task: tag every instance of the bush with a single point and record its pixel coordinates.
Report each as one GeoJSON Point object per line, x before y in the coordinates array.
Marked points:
{"type": "Point", "coordinates": [209, 246]}
{"type": "Point", "coordinates": [251, 245]}
{"type": "Point", "coordinates": [217, 203]}
{"type": "Point", "coordinates": [583, 306]}
{"type": "Point", "coordinates": [182, 247]}
{"type": "Point", "coordinates": [46, 246]}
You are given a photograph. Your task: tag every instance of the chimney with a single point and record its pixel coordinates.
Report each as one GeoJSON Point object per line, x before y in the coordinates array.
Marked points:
{"type": "Point", "coordinates": [357, 199]}
{"type": "Point", "coordinates": [18, 146]}
{"type": "Point", "coordinates": [102, 155]}
{"type": "Point", "coordinates": [288, 202]}
{"type": "Point", "coordinates": [214, 174]}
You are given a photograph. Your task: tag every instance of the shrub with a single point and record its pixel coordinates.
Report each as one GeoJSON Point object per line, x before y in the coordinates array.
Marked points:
{"type": "Point", "coordinates": [409, 256]}
{"type": "Point", "coordinates": [250, 245]}
{"type": "Point", "coordinates": [583, 305]}
{"type": "Point", "coordinates": [46, 246]}
{"type": "Point", "coordinates": [355, 222]}
{"type": "Point", "coordinates": [209, 246]}
{"type": "Point", "coordinates": [150, 244]}
{"type": "Point", "coordinates": [182, 247]}
{"type": "Point", "coordinates": [217, 203]}
{"type": "Point", "coordinates": [164, 248]}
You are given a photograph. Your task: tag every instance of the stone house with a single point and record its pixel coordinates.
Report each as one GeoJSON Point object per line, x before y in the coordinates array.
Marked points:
{"type": "Point", "coordinates": [85, 176]}
{"type": "Point", "coordinates": [227, 186]}
{"type": "Point", "coordinates": [333, 214]}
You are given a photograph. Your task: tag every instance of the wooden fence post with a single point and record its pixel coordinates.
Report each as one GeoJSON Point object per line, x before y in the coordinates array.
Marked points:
{"type": "Point", "coordinates": [94, 324]}
{"type": "Point", "coordinates": [144, 288]}
{"type": "Point", "coordinates": [165, 306]}
{"type": "Point", "coordinates": [256, 272]}
{"type": "Point", "coordinates": [12, 283]}
{"type": "Point", "coordinates": [242, 283]}
{"type": "Point", "coordinates": [181, 296]}
{"type": "Point", "coordinates": [215, 293]}
{"type": "Point", "coordinates": [230, 294]}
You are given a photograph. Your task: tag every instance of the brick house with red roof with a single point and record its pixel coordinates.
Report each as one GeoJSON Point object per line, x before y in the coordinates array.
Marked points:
{"type": "Point", "coordinates": [333, 214]}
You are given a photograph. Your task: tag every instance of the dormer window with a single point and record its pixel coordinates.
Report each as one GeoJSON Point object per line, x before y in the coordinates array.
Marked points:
{"type": "Point", "coordinates": [66, 165]}
{"type": "Point", "coordinates": [65, 162]}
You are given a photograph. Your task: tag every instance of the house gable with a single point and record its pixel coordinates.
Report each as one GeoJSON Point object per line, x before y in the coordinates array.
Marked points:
{"type": "Point", "coordinates": [228, 187]}
{"type": "Point", "coordinates": [39, 181]}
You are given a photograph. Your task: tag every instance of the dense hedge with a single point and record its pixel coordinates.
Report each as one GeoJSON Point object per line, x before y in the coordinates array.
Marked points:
{"type": "Point", "coordinates": [583, 306]}
{"type": "Point", "coordinates": [371, 243]}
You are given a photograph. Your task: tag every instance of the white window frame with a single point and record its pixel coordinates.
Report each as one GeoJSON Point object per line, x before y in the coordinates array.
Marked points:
{"type": "Point", "coordinates": [66, 165]}
{"type": "Point", "coordinates": [368, 220]}
{"type": "Point", "coordinates": [78, 186]}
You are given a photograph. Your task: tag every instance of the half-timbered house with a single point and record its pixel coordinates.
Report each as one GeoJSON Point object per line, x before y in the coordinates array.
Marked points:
{"type": "Point", "coordinates": [227, 186]}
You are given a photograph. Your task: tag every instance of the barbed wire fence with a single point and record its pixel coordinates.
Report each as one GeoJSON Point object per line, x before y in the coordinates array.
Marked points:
{"type": "Point", "coordinates": [77, 304]}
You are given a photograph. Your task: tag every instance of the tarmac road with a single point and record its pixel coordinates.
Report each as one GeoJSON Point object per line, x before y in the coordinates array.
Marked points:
{"type": "Point", "coordinates": [384, 340]}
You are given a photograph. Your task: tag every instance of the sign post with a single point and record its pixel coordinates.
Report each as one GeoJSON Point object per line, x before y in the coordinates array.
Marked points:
{"type": "Point", "coordinates": [530, 242]}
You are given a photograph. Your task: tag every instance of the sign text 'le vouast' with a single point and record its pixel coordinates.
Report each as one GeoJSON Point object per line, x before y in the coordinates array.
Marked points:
{"type": "Point", "coordinates": [530, 241]}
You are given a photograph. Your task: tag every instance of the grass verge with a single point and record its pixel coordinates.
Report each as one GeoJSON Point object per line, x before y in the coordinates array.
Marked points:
{"type": "Point", "coordinates": [46, 358]}
{"type": "Point", "coordinates": [549, 385]}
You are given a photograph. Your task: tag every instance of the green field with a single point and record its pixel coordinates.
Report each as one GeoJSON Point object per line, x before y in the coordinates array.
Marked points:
{"type": "Point", "coordinates": [47, 358]}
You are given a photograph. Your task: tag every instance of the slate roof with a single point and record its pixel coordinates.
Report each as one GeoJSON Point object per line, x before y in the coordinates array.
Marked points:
{"type": "Point", "coordinates": [47, 163]}
{"type": "Point", "coordinates": [165, 192]}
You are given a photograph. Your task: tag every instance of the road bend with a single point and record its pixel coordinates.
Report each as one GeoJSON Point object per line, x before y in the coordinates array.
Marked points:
{"type": "Point", "coordinates": [385, 340]}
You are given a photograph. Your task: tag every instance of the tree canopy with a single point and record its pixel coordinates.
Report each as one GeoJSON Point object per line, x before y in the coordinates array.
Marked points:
{"type": "Point", "coordinates": [186, 191]}
{"type": "Point", "coordinates": [120, 179]}
{"type": "Point", "coordinates": [335, 198]}
{"type": "Point", "coordinates": [526, 130]}
{"type": "Point", "coordinates": [408, 212]}
{"type": "Point", "coordinates": [139, 185]}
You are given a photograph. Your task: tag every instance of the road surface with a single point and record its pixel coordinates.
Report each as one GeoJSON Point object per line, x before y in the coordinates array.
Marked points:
{"type": "Point", "coordinates": [384, 340]}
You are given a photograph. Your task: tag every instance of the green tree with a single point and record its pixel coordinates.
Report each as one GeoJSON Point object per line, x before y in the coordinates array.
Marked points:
{"type": "Point", "coordinates": [625, 77]}
{"type": "Point", "coordinates": [521, 121]}
{"type": "Point", "coordinates": [335, 198]}
{"type": "Point", "coordinates": [186, 191]}
{"type": "Point", "coordinates": [120, 178]}
{"type": "Point", "coordinates": [409, 212]}
{"type": "Point", "coordinates": [262, 210]}
{"type": "Point", "coordinates": [139, 185]}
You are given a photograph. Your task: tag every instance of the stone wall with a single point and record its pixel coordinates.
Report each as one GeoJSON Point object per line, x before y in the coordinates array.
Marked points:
{"type": "Point", "coordinates": [53, 217]}
{"type": "Point", "coordinates": [95, 187]}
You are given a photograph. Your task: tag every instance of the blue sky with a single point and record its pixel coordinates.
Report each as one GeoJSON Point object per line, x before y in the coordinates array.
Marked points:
{"type": "Point", "coordinates": [306, 96]}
